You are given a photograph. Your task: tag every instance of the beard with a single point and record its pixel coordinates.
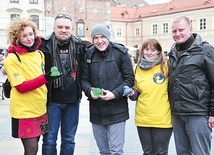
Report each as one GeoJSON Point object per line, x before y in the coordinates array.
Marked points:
{"type": "Point", "coordinates": [62, 41]}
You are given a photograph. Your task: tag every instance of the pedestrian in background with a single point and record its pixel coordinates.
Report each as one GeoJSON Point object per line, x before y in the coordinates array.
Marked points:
{"type": "Point", "coordinates": [191, 89]}
{"type": "Point", "coordinates": [66, 52]}
{"type": "Point", "coordinates": [152, 113]}
{"type": "Point", "coordinates": [109, 68]}
{"type": "Point", "coordinates": [28, 95]}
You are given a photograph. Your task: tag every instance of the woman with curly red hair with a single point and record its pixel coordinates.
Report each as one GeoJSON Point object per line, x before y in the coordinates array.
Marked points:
{"type": "Point", "coordinates": [25, 71]}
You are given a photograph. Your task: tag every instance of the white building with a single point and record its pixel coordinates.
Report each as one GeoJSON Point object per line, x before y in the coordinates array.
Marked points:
{"type": "Point", "coordinates": [20, 8]}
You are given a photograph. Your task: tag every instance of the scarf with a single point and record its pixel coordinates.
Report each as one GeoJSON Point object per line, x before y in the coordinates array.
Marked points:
{"type": "Point", "coordinates": [24, 49]}
{"type": "Point", "coordinates": [61, 81]}
{"type": "Point", "coordinates": [147, 64]}
{"type": "Point", "coordinates": [181, 48]}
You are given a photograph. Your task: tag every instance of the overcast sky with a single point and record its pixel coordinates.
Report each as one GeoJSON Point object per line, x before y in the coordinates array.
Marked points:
{"type": "Point", "coordinates": [156, 1]}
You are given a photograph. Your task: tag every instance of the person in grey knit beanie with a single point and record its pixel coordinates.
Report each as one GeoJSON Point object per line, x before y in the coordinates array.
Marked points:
{"type": "Point", "coordinates": [101, 29]}
{"type": "Point", "coordinates": [108, 69]}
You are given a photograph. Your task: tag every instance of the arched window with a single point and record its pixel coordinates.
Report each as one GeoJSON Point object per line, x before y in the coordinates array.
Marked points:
{"type": "Point", "coordinates": [13, 16]}
{"type": "Point", "coordinates": [14, 1]}
{"type": "Point", "coordinates": [80, 25]}
{"type": "Point", "coordinates": [33, 1]}
{"type": "Point", "coordinates": [35, 19]}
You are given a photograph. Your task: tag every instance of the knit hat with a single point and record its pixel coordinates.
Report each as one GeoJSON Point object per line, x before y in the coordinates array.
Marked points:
{"type": "Point", "coordinates": [100, 29]}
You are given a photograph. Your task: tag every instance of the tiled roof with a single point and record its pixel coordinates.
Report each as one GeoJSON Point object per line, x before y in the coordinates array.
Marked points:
{"type": "Point", "coordinates": [118, 13]}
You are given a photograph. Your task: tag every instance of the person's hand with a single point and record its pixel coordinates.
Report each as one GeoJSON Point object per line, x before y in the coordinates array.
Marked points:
{"type": "Point", "coordinates": [107, 95]}
{"type": "Point", "coordinates": [128, 91]}
{"type": "Point", "coordinates": [52, 74]}
{"type": "Point", "coordinates": [211, 121]}
{"type": "Point", "coordinates": [94, 96]}
{"type": "Point", "coordinates": [131, 94]}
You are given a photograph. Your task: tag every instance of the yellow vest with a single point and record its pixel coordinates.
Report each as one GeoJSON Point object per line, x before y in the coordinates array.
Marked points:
{"type": "Point", "coordinates": [32, 103]}
{"type": "Point", "coordinates": [152, 106]}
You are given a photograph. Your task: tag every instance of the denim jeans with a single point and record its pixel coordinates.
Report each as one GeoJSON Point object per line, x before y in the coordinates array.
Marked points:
{"type": "Point", "coordinates": [154, 141]}
{"type": "Point", "coordinates": [66, 115]}
{"type": "Point", "coordinates": [109, 138]}
{"type": "Point", "coordinates": [192, 135]}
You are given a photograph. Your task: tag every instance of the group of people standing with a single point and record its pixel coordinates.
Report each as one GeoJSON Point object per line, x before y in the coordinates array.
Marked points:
{"type": "Point", "coordinates": [172, 95]}
{"type": "Point", "coordinates": [175, 94]}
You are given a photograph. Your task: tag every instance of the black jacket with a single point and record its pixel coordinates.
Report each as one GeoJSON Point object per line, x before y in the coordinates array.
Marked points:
{"type": "Point", "coordinates": [110, 70]}
{"type": "Point", "coordinates": [47, 48]}
{"type": "Point", "coordinates": [191, 79]}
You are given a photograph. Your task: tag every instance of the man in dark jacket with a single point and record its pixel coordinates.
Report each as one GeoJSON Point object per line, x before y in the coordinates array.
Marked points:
{"type": "Point", "coordinates": [107, 66]}
{"type": "Point", "coordinates": [191, 89]}
{"type": "Point", "coordinates": [66, 52]}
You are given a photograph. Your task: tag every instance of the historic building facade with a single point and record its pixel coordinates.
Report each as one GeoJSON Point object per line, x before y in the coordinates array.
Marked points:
{"type": "Point", "coordinates": [131, 26]}
{"type": "Point", "coordinates": [19, 8]}
{"type": "Point", "coordinates": [128, 25]}
{"type": "Point", "coordinates": [84, 13]}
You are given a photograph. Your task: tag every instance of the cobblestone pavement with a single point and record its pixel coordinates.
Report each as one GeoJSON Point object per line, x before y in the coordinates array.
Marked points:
{"type": "Point", "coordinates": [132, 144]}
{"type": "Point", "coordinates": [85, 143]}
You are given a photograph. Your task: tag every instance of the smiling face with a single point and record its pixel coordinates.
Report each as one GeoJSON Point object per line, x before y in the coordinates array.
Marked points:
{"type": "Point", "coordinates": [181, 30]}
{"type": "Point", "coordinates": [27, 36]}
{"type": "Point", "coordinates": [150, 52]}
{"type": "Point", "coordinates": [63, 29]}
{"type": "Point", "coordinates": [100, 42]}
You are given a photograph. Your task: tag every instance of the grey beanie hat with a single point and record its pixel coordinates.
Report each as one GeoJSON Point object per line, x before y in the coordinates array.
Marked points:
{"type": "Point", "coordinates": [100, 29]}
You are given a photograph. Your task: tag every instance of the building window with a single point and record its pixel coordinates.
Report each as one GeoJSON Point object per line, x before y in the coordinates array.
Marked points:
{"type": "Point", "coordinates": [13, 16]}
{"type": "Point", "coordinates": [34, 1]}
{"type": "Point", "coordinates": [191, 22]}
{"type": "Point", "coordinates": [14, 1]}
{"type": "Point", "coordinates": [80, 28]}
{"type": "Point", "coordinates": [137, 32]}
{"type": "Point", "coordinates": [119, 31]}
{"type": "Point", "coordinates": [35, 19]}
{"type": "Point", "coordinates": [203, 24]}
{"type": "Point", "coordinates": [154, 29]}
{"type": "Point", "coordinates": [165, 28]}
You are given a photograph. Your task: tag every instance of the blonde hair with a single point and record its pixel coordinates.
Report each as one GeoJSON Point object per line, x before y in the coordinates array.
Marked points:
{"type": "Point", "coordinates": [180, 18]}
{"type": "Point", "coordinates": [15, 28]}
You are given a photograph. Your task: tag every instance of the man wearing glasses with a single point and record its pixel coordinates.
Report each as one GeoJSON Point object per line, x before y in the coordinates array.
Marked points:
{"type": "Point", "coordinates": [65, 51]}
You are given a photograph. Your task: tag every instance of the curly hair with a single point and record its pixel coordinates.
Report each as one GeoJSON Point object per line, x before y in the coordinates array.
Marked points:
{"type": "Point", "coordinates": [15, 28]}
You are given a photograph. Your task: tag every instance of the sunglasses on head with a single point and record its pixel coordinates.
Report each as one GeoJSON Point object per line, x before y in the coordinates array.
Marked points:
{"type": "Point", "coordinates": [63, 16]}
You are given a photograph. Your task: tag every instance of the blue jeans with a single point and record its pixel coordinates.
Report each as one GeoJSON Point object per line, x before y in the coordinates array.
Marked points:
{"type": "Point", "coordinates": [109, 138]}
{"type": "Point", "coordinates": [154, 141]}
{"type": "Point", "coordinates": [66, 115]}
{"type": "Point", "coordinates": [192, 135]}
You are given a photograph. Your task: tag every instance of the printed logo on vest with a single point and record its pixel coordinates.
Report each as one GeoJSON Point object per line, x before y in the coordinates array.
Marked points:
{"type": "Point", "coordinates": [159, 78]}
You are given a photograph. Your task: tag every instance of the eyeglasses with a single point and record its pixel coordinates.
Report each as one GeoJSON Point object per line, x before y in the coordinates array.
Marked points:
{"type": "Point", "coordinates": [63, 16]}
